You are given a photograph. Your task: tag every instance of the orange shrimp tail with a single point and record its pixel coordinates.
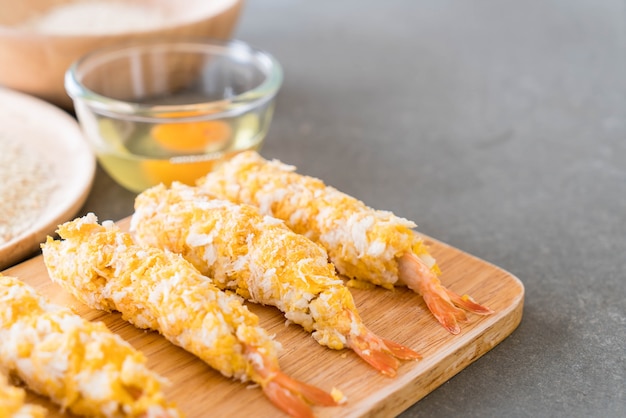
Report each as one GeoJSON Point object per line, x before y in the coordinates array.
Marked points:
{"type": "Point", "coordinates": [287, 401]}
{"type": "Point", "coordinates": [311, 393]}
{"type": "Point", "coordinates": [400, 351]}
{"type": "Point", "coordinates": [294, 397]}
{"type": "Point", "coordinates": [466, 302]}
{"type": "Point", "coordinates": [382, 361]}
{"type": "Point", "coordinates": [379, 353]}
{"type": "Point", "coordinates": [288, 394]}
{"type": "Point", "coordinates": [444, 310]}
{"type": "Point", "coordinates": [445, 305]}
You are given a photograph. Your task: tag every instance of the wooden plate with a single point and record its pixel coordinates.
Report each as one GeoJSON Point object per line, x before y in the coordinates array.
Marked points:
{"type": "Point", "coordinates": [59, 143]}
{"type": "Point", "coordinates": [399, 315]}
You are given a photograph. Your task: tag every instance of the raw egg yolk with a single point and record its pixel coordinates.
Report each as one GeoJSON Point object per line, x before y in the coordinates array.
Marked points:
{"type": "Point", "coordinates": [191, 137]}
{"type": "Point", "coordinates": [185, 138]}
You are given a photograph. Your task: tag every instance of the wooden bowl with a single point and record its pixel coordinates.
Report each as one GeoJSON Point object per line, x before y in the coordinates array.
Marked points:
{"type": "Point", "coordinates": [39, 39]}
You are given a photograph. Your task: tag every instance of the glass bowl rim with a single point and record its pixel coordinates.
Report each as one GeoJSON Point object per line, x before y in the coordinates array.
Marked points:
{"type": "Point", "coordinates": [233, 106]}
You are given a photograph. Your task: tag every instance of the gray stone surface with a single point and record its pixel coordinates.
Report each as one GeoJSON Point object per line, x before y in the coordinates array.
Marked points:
{"type": "Point", "coordinates": [498, 126]}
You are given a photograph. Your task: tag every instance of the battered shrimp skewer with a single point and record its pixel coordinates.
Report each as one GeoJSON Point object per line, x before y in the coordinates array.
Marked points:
{"type": "Point", "coordinates": [364, 244]}
{"type": "Point", "coordinates": [263, 261]}
{"type": "Point", "coordinates": [13, 402]}
{"type": "Point", "coordinates": [78, 364]}
{"type": "Point", "coordinates": [159, 290]}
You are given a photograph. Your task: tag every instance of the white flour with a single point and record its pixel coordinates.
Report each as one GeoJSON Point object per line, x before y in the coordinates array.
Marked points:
{"type": "Point", "coordinates": [97, 17]}
{"type": "Point", "coordinates": [25, 185]}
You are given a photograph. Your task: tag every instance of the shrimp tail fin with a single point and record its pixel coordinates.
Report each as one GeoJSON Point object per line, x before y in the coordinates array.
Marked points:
{"type": "Point", "coordinates": [288, 394]}
{"type": "Point", "coordinates": [382, 361]}
{"type": "Point", "coordinates": [287, 401]}
{"type": "Point", "coordinates": [379, 353]}
{"type": "Point", "coordinates": [466, 302]}
{"type": "Point", "coordinates": [445, 305]}
{"type": "Point", "coordinates": [311, 393]}
{"type": "Point", "coordinates": [444, 311]}
{"type": "Point", "coordinates": [400, 351]}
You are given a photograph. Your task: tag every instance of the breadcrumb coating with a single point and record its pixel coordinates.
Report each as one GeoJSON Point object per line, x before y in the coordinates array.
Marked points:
{"type": "Point", "coordinates": [363, 243]}
{"type": "Point", "coordinates": [256, 256]}
{"type": "Point", "coordinates": [13, 402]}
{"type": "Point", "coordinates": [80, 365]}
{"type": "Point", "coordinates": [158, 290]}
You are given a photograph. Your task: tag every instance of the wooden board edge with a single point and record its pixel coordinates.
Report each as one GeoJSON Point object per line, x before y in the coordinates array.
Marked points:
{"type": "Point", "coordinates": [478, 343]}
{"type": "Point", "coordinates": [411, 387]}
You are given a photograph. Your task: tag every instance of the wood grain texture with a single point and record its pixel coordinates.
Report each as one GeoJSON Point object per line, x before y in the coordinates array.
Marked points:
{"type": "Point", "coordinates": [399, 315]}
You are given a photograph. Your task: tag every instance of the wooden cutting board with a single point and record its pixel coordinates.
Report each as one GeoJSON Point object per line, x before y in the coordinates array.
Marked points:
{"type": "Point", "coordinates": [399, 315]}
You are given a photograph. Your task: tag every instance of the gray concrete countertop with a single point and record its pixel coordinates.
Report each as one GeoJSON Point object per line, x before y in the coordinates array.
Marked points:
{"type": "Point", "coordinates": [499, 127]}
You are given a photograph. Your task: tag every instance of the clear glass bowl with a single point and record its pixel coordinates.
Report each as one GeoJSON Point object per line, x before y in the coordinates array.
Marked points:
{"type": "Point", "coordinates": [164, 111]}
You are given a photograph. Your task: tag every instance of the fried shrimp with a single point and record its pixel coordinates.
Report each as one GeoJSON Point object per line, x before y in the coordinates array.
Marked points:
{"type": "Point", "coordinates": [364, 244]}
{"type": "Point", "coordinates": [263, 261]}
{"type": "Point", "coordinates": [159, 290]}
{"type": "Point", "coordinates": [80, 365]}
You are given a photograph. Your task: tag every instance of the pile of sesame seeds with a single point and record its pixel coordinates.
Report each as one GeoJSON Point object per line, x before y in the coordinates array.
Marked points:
{"type": "Point", "coordinates": [26, 185]}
